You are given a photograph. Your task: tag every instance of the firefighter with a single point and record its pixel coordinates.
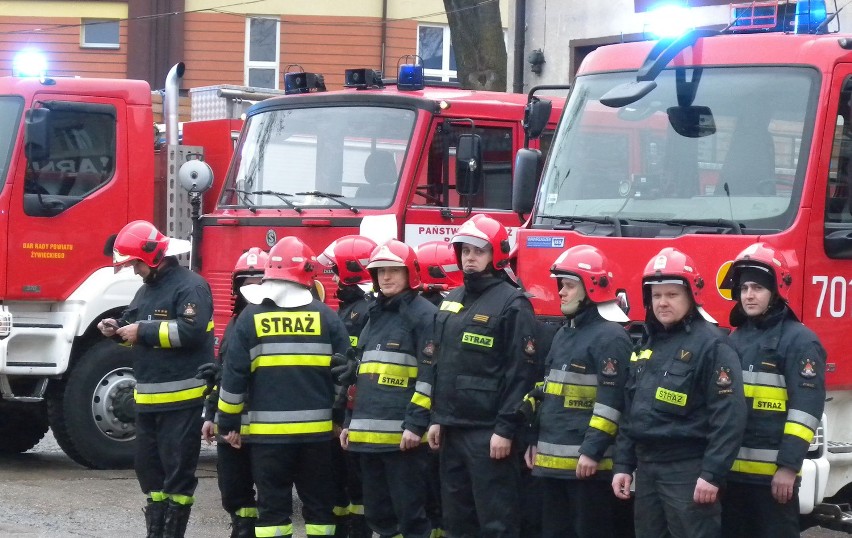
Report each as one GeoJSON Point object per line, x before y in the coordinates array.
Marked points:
{"type": "Point", "coordinates": [439, 270]}
{"type": "Point", "coordinates": [236, 483]}
{"type": "Point", "coordinates": [169, 324]}
{"type": "Point", "coordinates": [285, 338]}
{"type": "Point", "coordinates": [783, 366]}
{"type": "Point", "coordinates": [394, 394]}
{"type": "Point", "coordinates": [582, 399]}
{"type": "Point", "coordinates": [684, 411]}
{"type": "Point", "coordinates": [347, 257]}
{"type": "Point", "coordinates": [485, 363]}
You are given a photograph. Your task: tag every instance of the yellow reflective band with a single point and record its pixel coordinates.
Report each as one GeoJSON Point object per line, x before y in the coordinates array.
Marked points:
{"type": "Point", "coordinates": [764, 392]}
{"type": "Point", "coordinates": [567, 464]}
{"type": "Point", "coordinates": [357, 509]}
{"type": "Point", "coordinates": [670, 396]}
{"type": "Point", "coordinates": [163, 334]}
{"type": "Point", "coordinates": [477, 340]}
{"type": "Point", "coordinates": [641, 356]}
{"type": "Point", "coordinates": [277, 530]}
{"type": "Point", "coordinates": [393, 381]}
{"type": "Point", "coordinates": [389, 369]}
{"type": "Point", "coordinates": [244, 429]}
{"type": "Point", "coordinates": [437, 533]}
{"type": "Point", "coordinates": [604, 425]}
{"type": "Point", "coordinates": [797, 430]}
{"type": "Point", "coordinates": [266, 361]}
{"type": "Point", "coordinates": [185, 500]}
{"type": "Point", "coordinates": [754, 467]}
{"type": "Point", "coordinates": [353, 341]}
{"type": "Point", "coordinates": [158, 496]}
{"type": "Point", "coordinates": [169, 397]}
{"type": "Point", "coordinates": [312, 529]}
{"type": "Point", "coordinates": [249, 511]}
{"type": "Point", "coordinates": [764, 404]}
{"type": "Point", "coordinates": [287, 323]}
{"type": "Point", "coordinates": [579, 403]}
{"type": "Point", "coordinates": [579, 392]}
{"type": "Point", "coordinates": [423, 401]}
{"type": "Point", "coordinates": [451, 306]}
{"type": "Point", "coordinates": [233, 409]}
{"type": "Point", "coordinates": [210, 325]}
{"type": "Point", "coordinates": [375, 438]}
{"type": "Point", "coordinates": [293, 428]}
{"type": "Point", "coordinates": [340, 511]}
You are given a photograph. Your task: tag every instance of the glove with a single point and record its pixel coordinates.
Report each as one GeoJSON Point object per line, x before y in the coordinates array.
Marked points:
{"type": "Point", "coordinates": [527, 408]}
{"type": "Point", "coordinates": [344, 368]}
{"type": "Point", "coordinates": [210, 372]}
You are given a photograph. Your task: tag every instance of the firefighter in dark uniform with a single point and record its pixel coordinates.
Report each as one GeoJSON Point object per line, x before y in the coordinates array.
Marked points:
{"type": "Point", "coordinates": [391, 412]}
{"type": "Point", "coordinates": [285, 339]}
{"type": "Point", "coordinates": [169, 324]}
{"type": "Point", "coordinates": [347, 257]}
{"type": "Point", "coordinates": [583, 396]}
{"type": "Point", "coordinates": [485, 364]}
{"type": "Point", "coordinates": [684, 411]}
{"type": "Point", "coordinates": [783, 365]}
{"type": "Point", "coordinates": [233, 466]}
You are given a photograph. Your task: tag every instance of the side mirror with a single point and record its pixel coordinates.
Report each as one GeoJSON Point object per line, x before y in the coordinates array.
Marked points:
{"type": "Point", "coordinates": [468, 164]}
{"type": "Point", "coordinates": [692, 121]}
{"type": "Point", "coordinates": [536, 115]}
{"type": "Point", "coordinates": [525, 180]}
{"type": "Point", "coordinates": [37, 134]}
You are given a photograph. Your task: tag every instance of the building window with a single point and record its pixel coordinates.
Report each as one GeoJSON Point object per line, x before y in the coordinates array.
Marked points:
{"type": "Point", "coordinates": [262, 50]}
{"type": "Point", "coordinates": [99, 34]}
{"type": "Point", "coordinates": [436, 50]}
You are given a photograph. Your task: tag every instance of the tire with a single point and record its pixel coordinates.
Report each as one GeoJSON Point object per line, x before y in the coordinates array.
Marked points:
{"type": "Point", "coordinates": [22, 426]}
{"type": "Point", "coordinates": [93, 415]}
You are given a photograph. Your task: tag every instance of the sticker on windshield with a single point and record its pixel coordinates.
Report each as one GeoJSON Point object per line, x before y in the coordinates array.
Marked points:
{"type": "Point", "coordinates": [552, 198]}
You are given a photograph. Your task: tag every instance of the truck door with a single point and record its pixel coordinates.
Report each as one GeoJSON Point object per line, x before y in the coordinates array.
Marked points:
{"type": "Point", "coordinates": [69, 198]}
{"type": "Point", "coordinates": [436, 210]}
{"type": "Point", "coordinates": [827, 301]}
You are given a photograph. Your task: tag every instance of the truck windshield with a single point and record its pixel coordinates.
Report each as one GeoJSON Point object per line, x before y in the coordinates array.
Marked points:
{"type": "Point", "coordinates": [10, 118]}
{"type": "Point", "coordinates": [320, 157]}
{"type": "Point", "coordinates": [706, 146]}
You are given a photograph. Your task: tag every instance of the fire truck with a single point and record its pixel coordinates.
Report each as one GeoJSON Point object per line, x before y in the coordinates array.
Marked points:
{"type": "Point", "coordinates": [708, 142]}
{"type": "Point", "coordinates": [79, 158]}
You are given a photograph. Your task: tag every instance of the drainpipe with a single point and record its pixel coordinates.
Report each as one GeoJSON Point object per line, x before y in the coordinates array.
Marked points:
{"type": "Point", "coordinates": [171, 102]}
{"type": "Point", "coordinates": [520, 33]}
{"type": "Point", "coordinates": [384, 33]}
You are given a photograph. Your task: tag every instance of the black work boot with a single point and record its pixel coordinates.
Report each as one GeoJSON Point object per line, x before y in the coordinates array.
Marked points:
{"type": "Point", "coordinates": [155, 513]}
{"type": "Point", "coordinates": [242, 527]}
{"type": "Point", "coordinates": [177, 516]}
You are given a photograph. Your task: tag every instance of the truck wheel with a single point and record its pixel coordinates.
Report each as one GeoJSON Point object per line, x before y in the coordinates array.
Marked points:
{"type": "Point", "coordinates": [95, 413]}
{"type": "Point", "coordinates": [22, 425]}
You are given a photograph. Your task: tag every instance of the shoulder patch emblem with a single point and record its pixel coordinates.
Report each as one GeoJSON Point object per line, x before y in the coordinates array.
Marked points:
{"type": "Point", "coordinates": [189, 310]}
{"type": "Point", "coordinates": [609, 367]}
{"type": "Point", "coordinates": [808, 369]}
{"type": "Point", "coordinates": [529, 346]}
{"type": "Point", "coordinates": [429, 350]}
{"type": "Point", "coordinates": [684, 355]}
{"type": "Point", "coordinates": [723, 377]}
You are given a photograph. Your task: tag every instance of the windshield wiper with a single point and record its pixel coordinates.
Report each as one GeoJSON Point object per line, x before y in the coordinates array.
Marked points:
{"type": "Point", "coordinates": [616, 222]}
{"type": "Point", "coordinates": [244, 198]}
{"type": "Point", "coordinates": [705, 223]}
{"type": "Point", "coordinates": [331, 196]}
{"type": "Point", "coordinates": [281, 196]}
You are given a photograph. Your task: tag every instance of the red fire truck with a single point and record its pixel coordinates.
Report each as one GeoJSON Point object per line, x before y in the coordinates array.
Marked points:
{"type": "Point", "coordinates": [708, 142]}
{"type": "Point", "coordinates": [78, 161]}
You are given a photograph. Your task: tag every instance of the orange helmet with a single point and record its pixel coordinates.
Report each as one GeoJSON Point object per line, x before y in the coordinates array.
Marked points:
{"type": "Point", "coordinates": [480, 231]}
{"type": "Point", "coordinates": [762, 257]}
{"type": "Point", "coordinates": [140, 240]}
{"type": "Point", "coordinates": [592, 268]}
{"type": "Point", "coordinates": [671, 266]}
{"type": "Point", "coordinates": [394, 254]}
{"type": "Point", "coordinates": [439, 265]}
{"type": "Point", "coordinates": [291, 260]}
{"type": "Point", "coordinates": [348, 257]}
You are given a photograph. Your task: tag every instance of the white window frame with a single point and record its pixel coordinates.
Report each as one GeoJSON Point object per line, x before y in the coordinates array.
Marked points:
{"type": "Point", "coordinates": [445, 73]}
{"type": "Point", "coordinates": [263, 65]}
{"type": "Point", "coordinates": [86, 45]}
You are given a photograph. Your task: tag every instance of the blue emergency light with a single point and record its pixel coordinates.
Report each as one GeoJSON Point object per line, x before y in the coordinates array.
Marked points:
{"type": "Point", "coordinates": [410, 75]}
{"type": "Point", "coordinates": [669, 20]}
{"type": "Point", "coordinates": [809, 15]}
{"type": "Point", "coordinates": [29, 63]}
